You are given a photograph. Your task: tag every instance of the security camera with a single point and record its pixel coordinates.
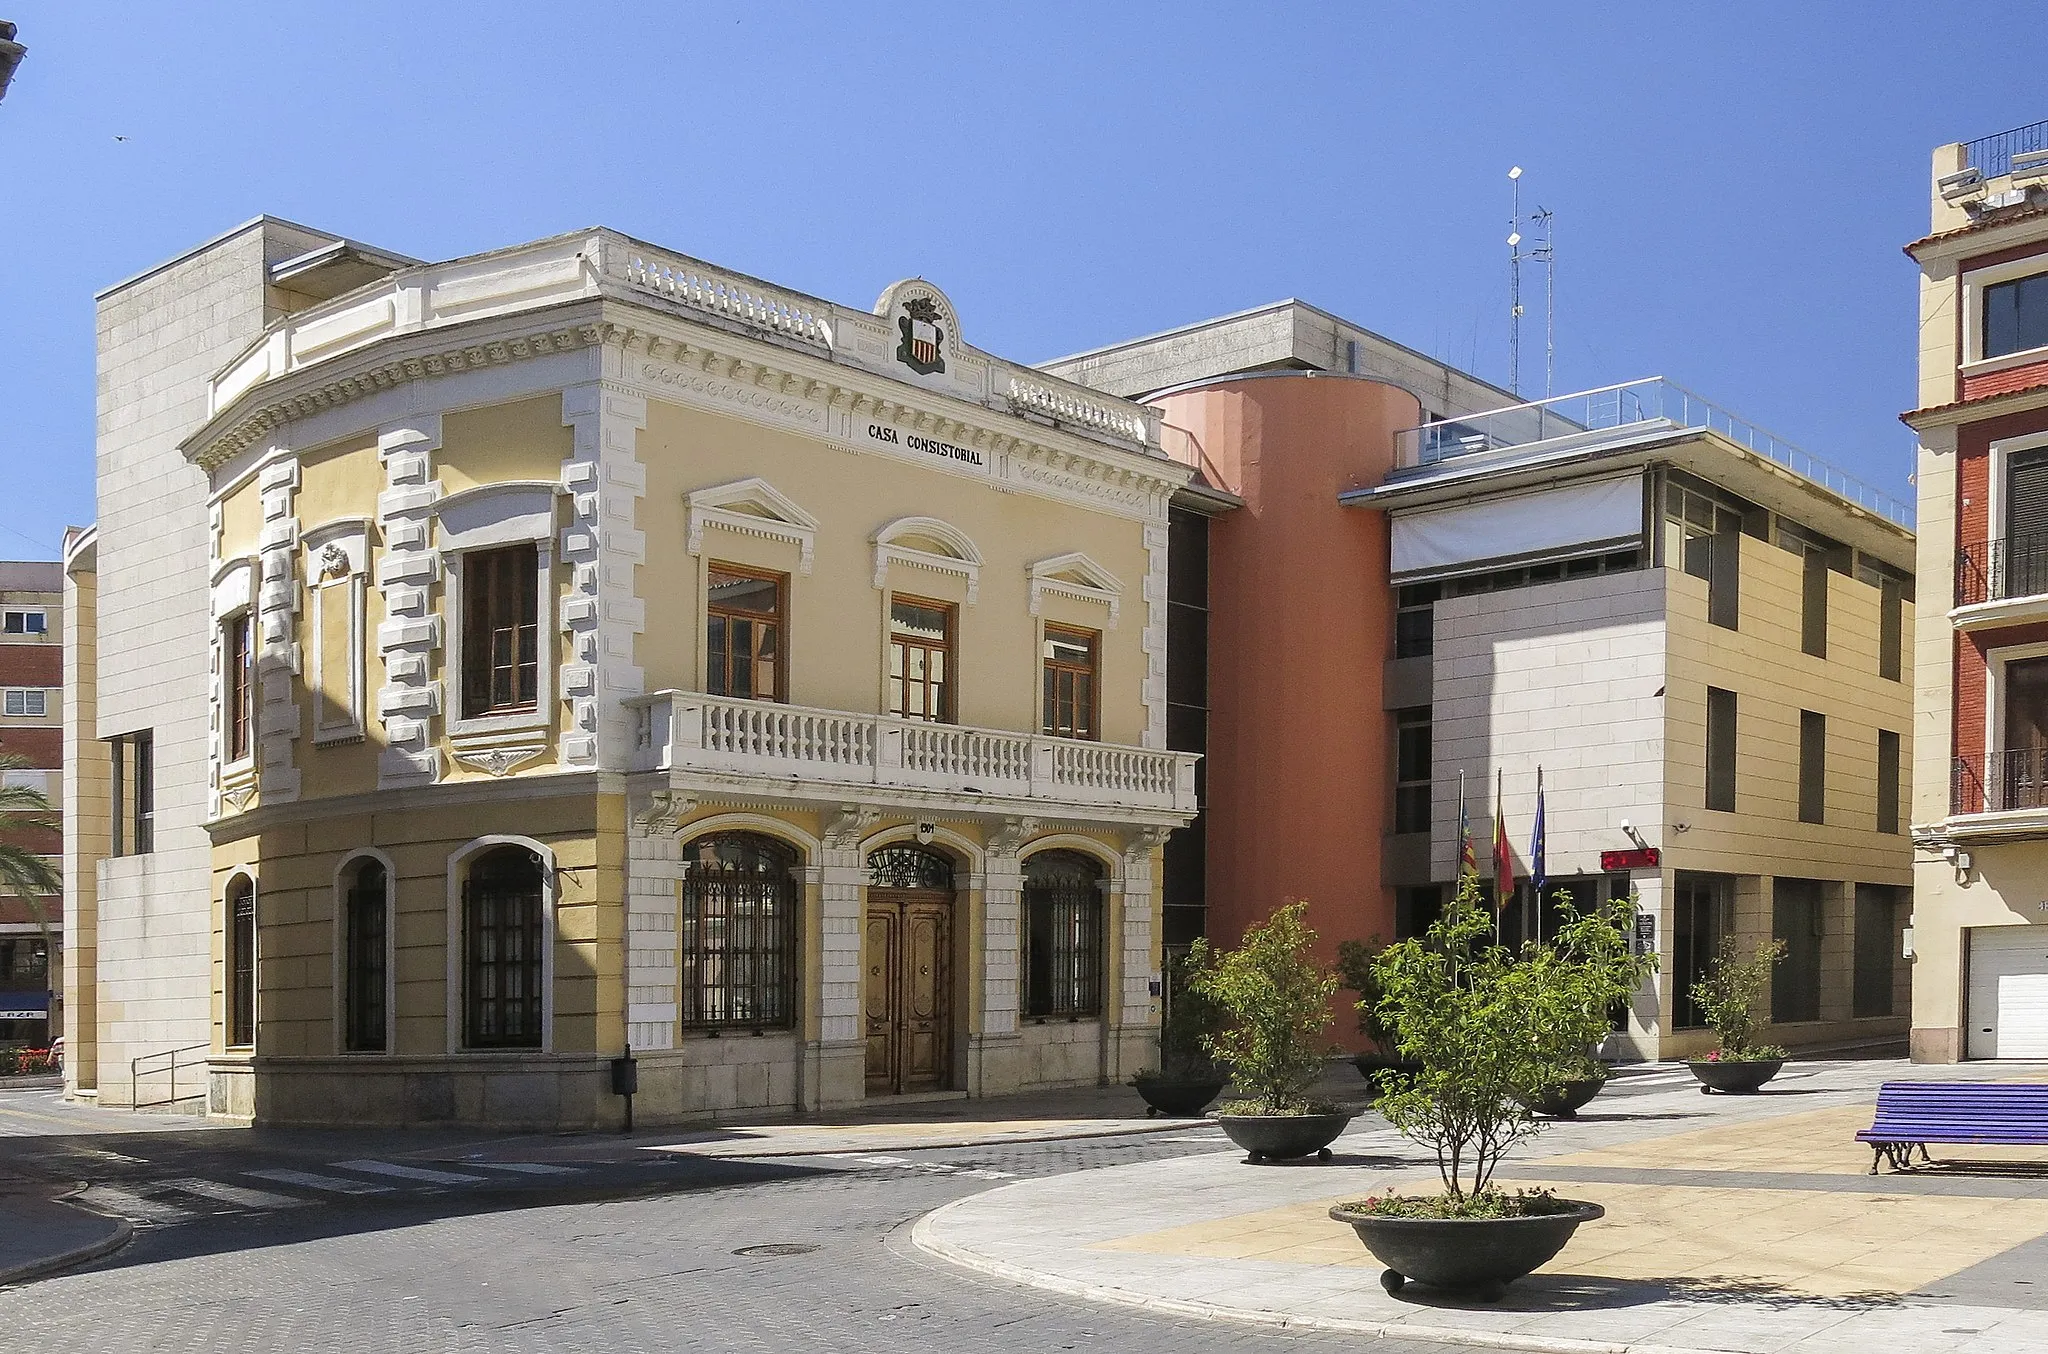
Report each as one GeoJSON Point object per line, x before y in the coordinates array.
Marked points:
{"type": "Point", "coordinates": [1628, 827]}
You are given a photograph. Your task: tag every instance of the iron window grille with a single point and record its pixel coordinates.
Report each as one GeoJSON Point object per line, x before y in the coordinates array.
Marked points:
{"type": "Point", "coordinates": [737, 931]}
{"type": "Point", "coordinates": [1062, 936]}
{"type": "Point", "coordinates": [504, 938]}
{"type": "Point", "coordinates": [241, 911]}
{"type": "Point", "coordinates": [909, 867]}
{"type": "Point", "coordinates": [366, 920]}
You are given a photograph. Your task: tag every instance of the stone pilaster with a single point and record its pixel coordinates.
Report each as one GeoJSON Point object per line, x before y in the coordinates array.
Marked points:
{"type": "Point", "coordinates": [653, 871]}
{"type": "Point", "coordinates": [410, 636]}
{"type": "Point", "coordinates": [602, 545]}
{"type": "Point", "coordinates": [1154, 693]}
{"type": "Point", "coordinates": [276, 633]}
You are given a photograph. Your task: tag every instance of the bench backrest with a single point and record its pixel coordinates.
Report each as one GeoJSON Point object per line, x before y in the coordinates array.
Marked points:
{"type": "Point", "coordinates": [1962, 1101]}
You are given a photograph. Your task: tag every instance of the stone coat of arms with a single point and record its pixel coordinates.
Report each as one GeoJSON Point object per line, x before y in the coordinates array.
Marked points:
{"type": "Point", "coordinates": [922, 335]}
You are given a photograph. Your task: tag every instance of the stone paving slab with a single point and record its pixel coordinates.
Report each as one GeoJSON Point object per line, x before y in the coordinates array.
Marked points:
{"type": "Point", "coordinates": [1708, 1243]}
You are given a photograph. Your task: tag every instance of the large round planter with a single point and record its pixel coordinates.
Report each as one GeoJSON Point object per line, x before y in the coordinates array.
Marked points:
{"type": "Point", "coordinates": [1370, 1065]}
{"type": "Point", "coordinates": [1179, 1097]}
{"type": "Point", "coordinates": [1283, 1137]}
{"type": "Point", "coordinates": [1477, 1257]}
{"type": "Point", "coordinates": [1734, 1077]}
{"type": "Point", "coordinates": [1566, 1099]}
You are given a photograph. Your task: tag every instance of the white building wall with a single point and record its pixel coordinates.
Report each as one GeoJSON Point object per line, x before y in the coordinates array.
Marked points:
{"type": "Point", "coordinates": [160, 337]}
{"type": "Point", "coordinates": [1568, 676]}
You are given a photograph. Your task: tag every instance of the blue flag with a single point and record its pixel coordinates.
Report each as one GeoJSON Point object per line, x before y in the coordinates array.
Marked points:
{"type": "Point", "coordinates": [1536, 867]}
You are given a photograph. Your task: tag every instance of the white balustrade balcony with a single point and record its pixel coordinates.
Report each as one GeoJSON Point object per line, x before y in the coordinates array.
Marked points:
{"type": "Point", "coordinates": [834, 750]}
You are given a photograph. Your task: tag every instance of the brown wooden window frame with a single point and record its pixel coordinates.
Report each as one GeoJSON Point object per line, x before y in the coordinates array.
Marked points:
{"type": "Point", "coordinates": [237, 662]}
{"type": "Point", "coordinates": [1055, 671]}
{"type": "Point", "coordinates": [899, 682]}
{"type": "Point", "coordinates": [500, 599]}
{"type": "Point", "coordinates": [718, 671]}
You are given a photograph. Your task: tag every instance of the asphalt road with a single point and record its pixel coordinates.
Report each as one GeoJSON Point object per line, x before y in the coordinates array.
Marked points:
{"type": "Point", "coordinates": [312, 1242]}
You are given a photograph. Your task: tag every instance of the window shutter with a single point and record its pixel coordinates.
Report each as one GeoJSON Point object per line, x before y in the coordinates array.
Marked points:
{"type": "Point", "coordinates": [2026, 525]}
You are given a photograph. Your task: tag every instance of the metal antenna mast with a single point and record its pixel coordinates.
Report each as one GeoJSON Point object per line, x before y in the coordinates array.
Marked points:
{"type": "Point", "coordinates": [1547, 255]}
{"type": "Point", "coordinates": [1515, 282]}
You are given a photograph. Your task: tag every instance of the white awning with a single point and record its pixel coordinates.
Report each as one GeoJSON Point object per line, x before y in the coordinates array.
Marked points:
{"type": "Point", "coordinates": [1519, 525]}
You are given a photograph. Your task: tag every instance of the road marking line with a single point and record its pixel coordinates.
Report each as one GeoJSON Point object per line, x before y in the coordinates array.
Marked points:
{"type": "Point", "coordinates": [523, 1167]}
{"type": "Point", "coordinates": [333, 1184]}
{"type": "Point", "coordinates": [408, 1172]}
{"type": "Point", "coordinates": [112, 1198]}
{"type": "Point", "coordinates": [238, 1195]}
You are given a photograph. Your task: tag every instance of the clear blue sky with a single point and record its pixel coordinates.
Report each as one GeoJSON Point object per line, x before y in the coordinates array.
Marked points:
{"type": "Point", "coordinates": [1732, 182]}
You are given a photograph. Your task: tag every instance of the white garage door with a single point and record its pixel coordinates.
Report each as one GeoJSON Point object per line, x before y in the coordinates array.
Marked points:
{"type": "Point", "coordinates": [2008, 992]}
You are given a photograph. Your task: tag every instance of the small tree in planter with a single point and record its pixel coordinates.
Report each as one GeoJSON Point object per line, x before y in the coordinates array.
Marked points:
{"type": "Point", "coordinates": [1276, 1042]}
{"type": "Point", "coordinates": [1187, 1077]}
{"type": "Point", "coordinates": [1731, 997]}
{"type": "Point", "coordinates": [1492, 1029]}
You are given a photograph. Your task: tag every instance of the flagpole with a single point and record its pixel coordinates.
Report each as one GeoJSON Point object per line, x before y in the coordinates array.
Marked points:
{"type": "Point", "coordinates": [1500, 905]}
{"type": "Point", "coordinates": [1536, 865]}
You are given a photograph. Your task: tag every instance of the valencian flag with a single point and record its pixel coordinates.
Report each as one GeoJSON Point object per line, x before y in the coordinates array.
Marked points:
{"type": "Point", "coordinates": [1503, 854]}
{"type": "Point", "coordinates": [1468, 859]}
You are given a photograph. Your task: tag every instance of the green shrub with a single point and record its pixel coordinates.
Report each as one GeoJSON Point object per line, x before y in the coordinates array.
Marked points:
{"type": "Point", "coordinates": [1192, 1018]}
{"type": "Point", "coordinates": [1493, 1028]}
{"type": "Point", "coordinates": [1731, 997]}
{"type": "Point", "coordinates": [1354, 974]}
{"type": "Point", "coordinates": [1277, 999]}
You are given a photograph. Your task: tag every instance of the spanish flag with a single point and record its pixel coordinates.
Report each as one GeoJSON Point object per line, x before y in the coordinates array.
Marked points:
{"type": "Point", "coordinates": [1503, 854]}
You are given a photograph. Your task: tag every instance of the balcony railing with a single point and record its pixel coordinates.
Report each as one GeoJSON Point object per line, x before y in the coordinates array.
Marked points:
{"type": "Point", "coordinates": [1648, 405]}
{"type": "Point", "coordinates": [1998, 571]}
{"type": "Point", "coordinates": [687, 731]}
{"type": "Point", "coordinates": [2005, 782]}
{"type": "Point", "coordinates": [1992, 155]}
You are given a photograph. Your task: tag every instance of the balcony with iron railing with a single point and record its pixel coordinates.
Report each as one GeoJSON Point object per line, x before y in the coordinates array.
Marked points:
{"type": "Point", "coordinates": [2012, 781]}
{"type": "Point", "coordinates": [1630, 409]}
{"type": "Point", "coordinates": [2009, 570]}
{"type": "Point", "coordinates": [805, 752]}
{"type": "Point", "coordinates": [1991, 156]}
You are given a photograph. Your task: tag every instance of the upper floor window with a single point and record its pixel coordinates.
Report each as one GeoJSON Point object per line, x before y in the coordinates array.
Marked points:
{"type": "Point", "coordinates": [1070, 682]}
{"type": "Point", "coordinates": [921, 660]}
{"type": "Point", "coordinates": [1703, 537]}
{"type": "Point", "coordinates": [1415, 619]}
{"type": "Point", "coordinates": [236, 688]}
{"type": "Point", "coordinates": [1720, 749]}
{"type": "Point", "coordinates": [2016, 315]}
{"type": "Point", "coordinates": [31, 702]}
{"type": "Point", "coordinates": [743, 633]}
{"type": "Point", "coordinates": [1412, 751]}
{"type": "Point", "coordinates": [500, 630]}
{"type": "Point", "coordinates": [24, 622]}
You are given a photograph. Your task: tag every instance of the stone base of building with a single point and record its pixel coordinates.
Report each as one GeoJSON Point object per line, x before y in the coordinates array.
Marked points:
{"type": "Point", "coordinates": [1936, 1045]}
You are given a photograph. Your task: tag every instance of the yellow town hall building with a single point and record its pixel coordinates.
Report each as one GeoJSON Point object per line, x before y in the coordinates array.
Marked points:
{"type": "Point", "coordinates": [606, 649]}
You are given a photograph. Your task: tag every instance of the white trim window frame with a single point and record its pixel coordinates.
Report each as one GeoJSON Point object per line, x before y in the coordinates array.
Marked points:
{"type": "Point", "coordinates": [16, 621]}
{"type": "Point", "coordinates": [26, 702]}
{"type": "Point", "coordinates": [2002, 452]}
{"type": "Point", "coordinates": [1974, 283]}
{"type": "Point", "coordinates": [1995, 661]}
{"type": "Point", "coordinates": [472, 523]}
{"type": "Point", "coordinates": [964, 560]}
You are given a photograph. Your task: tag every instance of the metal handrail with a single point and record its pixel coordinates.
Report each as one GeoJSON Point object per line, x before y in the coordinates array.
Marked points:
{"type": "Point", "coordinates": [2003, 782]}
{"type": "Point", "coordinates": [1992, 155]}
{"type": "Point", "coordinates": [2002, 570]}
{"type": "Point", "coordinates": [136, 1072]}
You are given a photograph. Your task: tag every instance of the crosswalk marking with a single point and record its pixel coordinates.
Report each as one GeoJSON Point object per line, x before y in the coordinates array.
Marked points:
{"type": "Point", "coordinates": [238, 1195]}
{"type": "Point", "coordinates": [522, 1167]}
{"type": "Point", "coordinates": [114, 1199]}
{"type": "Point", "coordinates": [409, 1172]}
{"type": "Point", "coordinates": [332, 1184]}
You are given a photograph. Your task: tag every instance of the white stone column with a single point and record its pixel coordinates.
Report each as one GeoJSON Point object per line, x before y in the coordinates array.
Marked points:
{"type": "Point", "coordinates": [653, 870]}
{"type": "Point", "coordinates": [407, 702]}
{"type": "Point", "coordinates": [602, 612]}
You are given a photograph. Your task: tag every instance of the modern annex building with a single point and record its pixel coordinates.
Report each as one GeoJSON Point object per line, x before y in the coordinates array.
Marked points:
{"type": "Point", "coordinates": [507, 661]}
{"type": "Point", "coordinates": [1980, 811]}
{"type": "Point", "coordinates": [1695, 631]}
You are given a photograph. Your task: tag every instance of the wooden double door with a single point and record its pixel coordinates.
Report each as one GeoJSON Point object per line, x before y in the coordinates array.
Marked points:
{"type": "Point", "coordinates": [908, 993]}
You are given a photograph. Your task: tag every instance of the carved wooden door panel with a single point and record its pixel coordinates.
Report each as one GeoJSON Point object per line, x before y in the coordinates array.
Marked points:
{"type": "Point", "coordinates": [879, 995]}
{"type": "Point", "coordinates": [927, 983]}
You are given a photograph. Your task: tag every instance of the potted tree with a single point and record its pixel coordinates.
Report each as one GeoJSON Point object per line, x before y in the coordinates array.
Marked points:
{"type": "Point", "coordinates": [1492, 1029]}
{"type": "Point", "coordinates": [1277, 999]}
{"type": "Point", "coordinates": [1187, 1078]}
{"type": "Point", "coordinates": [1730, 996]}
{"type": "Point", "coordinates": [1354, 974]}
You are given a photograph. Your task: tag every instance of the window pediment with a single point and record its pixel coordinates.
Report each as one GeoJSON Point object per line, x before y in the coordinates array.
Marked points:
{"type": "Point", "coordinates": [927, 543]}
{"type": "Point", "coordinates": [498, 514]}
{"type": "Point", "coordinates": [1076, 575]}
{"type": "Point", "coordinates": [751, 507]}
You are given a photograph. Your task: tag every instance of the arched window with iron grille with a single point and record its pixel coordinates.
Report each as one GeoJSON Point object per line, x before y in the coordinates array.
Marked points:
{"type": "Point", "coordinates": [737, 933]}
{"type": "Point", "coordinates": [1062, 936]}
{"type": "Point", "coordinates": [365, 933]}
{"type": "Point", "coordinates": [904, 866]}
{"type": "Point", "coordinates": [504, 928]}
{"type": "Point", "coordinates": [241, 919]}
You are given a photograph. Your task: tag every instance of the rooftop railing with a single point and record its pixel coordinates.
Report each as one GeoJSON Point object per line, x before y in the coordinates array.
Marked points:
{"type": "Point", "coordinates": [1648, 405]}
{"type": "Point", "coordinates": [1992, 155]}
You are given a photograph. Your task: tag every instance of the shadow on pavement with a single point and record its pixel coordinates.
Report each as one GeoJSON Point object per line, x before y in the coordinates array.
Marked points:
{"type": "Point", "coordinates": [1545, 1293]}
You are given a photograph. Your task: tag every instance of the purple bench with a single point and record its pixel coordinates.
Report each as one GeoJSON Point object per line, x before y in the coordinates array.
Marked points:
{"type": "Point", "coordinates": [1911, 1114]}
